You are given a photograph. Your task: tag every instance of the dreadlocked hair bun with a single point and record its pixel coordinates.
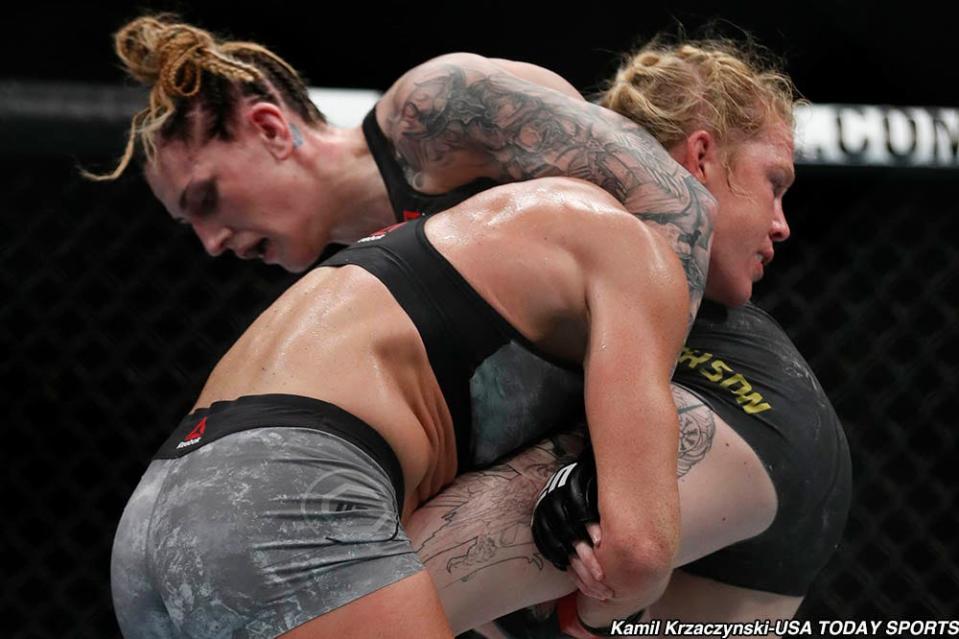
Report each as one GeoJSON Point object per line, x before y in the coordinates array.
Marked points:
{"type": "Point", "coordinates": [180, 62]}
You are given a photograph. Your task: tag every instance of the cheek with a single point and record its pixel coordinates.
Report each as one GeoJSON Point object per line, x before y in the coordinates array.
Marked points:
{"type": "Point", "coordinates": [732, 223]}
{"type": "Point", "coordinates": [749, 222]}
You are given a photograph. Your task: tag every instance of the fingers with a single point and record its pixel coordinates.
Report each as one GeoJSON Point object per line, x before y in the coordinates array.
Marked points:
{"type": "Point", "coordinates": [575, 571]}
{"type": "Point", "coordinates": [587, 573]}
{"type": "Point", "coordinates": [595, 532]}
{"type": "Point", "coordinates": [587, 556]}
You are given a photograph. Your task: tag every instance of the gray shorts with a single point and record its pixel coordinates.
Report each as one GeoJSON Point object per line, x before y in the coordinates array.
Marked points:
{"type": "Point", "coordinates": [256, 532]}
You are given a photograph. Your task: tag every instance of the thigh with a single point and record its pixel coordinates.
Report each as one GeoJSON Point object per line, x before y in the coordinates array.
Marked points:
{"type": "Point", "coordinates": [407, 608]}
{"type": "Point", "coordinates": [690, 600]}
{"type": "Point", "coordinates": [725, 492]}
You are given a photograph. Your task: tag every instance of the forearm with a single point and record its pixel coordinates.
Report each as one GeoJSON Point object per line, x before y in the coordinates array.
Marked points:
{"type": "Point", "coordinates": [635, 445]}
{"type": "Point", "coordinates": [475, 542]}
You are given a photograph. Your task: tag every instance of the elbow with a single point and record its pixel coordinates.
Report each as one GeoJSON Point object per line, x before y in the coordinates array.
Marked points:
{"type": "Point", "coordinates": [637, 561]}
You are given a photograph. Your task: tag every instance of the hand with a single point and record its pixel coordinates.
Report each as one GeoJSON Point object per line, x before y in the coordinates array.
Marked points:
{"type": "Point", "coordinates": [567, 503]}
{"type": "Point", "coordinates": [586, 571]}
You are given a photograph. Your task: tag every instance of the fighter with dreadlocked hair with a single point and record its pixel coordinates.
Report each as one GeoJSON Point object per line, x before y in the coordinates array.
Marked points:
{"type": "Point", "coordinates": [438, 135]}
{"type": "Point", "coordinates": [190, 71]}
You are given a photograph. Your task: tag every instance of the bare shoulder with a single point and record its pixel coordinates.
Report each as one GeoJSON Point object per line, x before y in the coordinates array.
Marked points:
{"type": "Point", "coordinates": [538, 75]}
{"type": "Point", "coordinates": [570, 214]}
{"type": "Point", "coordinates": [424, 81]}
{"type": "Point", "coordinates": [548, 201]}
{"type": "Point", "coordinates": [593, 220]}
{"type": "Point", "coordinates": [430, 85]}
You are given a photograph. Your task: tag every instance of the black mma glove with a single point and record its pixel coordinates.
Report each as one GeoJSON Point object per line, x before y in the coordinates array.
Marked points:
{"type": "Point", "coordinates": [565, 506]}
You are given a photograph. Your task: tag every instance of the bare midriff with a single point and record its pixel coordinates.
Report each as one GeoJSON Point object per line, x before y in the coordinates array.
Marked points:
{"type": "Point", "coordinates": [339, 336]}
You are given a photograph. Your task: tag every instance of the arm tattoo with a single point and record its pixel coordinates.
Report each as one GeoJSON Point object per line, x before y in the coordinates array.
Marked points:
{"type": "Point", "coordinates": [463, 115]}
{"type": "Point", "coordinates": [486, 514]}
{"type": "Point", "coordinates": [697, 427]}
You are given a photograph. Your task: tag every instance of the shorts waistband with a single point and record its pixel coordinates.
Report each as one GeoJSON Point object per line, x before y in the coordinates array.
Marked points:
{"type": "Point", "coordinates": [206, 425]}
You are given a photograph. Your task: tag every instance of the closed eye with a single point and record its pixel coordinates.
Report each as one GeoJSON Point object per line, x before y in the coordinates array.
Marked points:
{"type": "Point", "coordinates": [199, 198]}
{"type": "Point", "coordinates": [208, 198]}
{"type": "Point", "coordinates": [780, 185]}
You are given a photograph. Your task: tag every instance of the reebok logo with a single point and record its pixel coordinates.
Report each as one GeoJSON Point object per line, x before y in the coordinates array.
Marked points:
{"type": "Point", "coordinates": [194, 436]}
{"type": "Point", "coordinates": [380, 233]}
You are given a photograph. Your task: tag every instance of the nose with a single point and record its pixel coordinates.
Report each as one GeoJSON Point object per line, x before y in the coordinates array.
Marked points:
{"type": "Point", "coordinates": [779, 232]}
{"type": "Point", "coordinates": [214, 237]}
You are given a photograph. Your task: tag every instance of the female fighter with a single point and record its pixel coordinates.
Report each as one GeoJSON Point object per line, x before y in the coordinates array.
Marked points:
{"type": "Point", "coordinates": [764, 469]}
{"type": "Point", "coordinates": [276, 507]}
{"type": "Point", "coordinates": [236, 149]}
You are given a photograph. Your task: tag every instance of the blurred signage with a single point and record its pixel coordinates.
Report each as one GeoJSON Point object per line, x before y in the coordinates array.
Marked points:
{"type": "Point", "coordinates": [863, 135]}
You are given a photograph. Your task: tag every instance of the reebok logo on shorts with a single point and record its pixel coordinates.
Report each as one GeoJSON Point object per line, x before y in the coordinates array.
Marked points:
{"type": "Point", "coordinates": [195, 435]}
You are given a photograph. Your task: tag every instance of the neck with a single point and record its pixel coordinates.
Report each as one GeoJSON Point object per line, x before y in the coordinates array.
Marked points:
{"type": "Point", "coordinates": [362, 204]}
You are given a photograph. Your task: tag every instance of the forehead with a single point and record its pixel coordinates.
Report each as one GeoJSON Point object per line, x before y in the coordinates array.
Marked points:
{"type": "Point", "coordinates": [170, 171]}
{"type": "Point", "coordinates": [772, 146]}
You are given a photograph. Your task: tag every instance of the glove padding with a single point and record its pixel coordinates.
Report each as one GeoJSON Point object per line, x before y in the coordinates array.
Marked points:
{"type": "Point", "coordinates": [567, 503]}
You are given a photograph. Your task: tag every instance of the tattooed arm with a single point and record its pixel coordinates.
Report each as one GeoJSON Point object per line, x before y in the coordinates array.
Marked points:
{"type": "Point", "coordinates": [475, 541]}
{"type": "Point", "coordinates": [460, 117]}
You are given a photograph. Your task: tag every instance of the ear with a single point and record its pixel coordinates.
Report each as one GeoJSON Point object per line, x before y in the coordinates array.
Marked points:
{"type": "Point", "coordinates": [697, 153]}
{"type": "Point", "coordinates": [272, 128]}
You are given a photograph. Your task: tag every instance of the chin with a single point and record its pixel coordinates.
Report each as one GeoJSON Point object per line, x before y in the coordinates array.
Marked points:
{"type": "Point", "coordinates": [297, 264]}
{"type": "Point", "coordinates": [295, 268]}
{"type": "Point", "coordinates": [731, 295]}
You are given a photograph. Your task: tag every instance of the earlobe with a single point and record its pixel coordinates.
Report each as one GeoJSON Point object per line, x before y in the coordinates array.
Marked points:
{"type": "Point", "coordinates": [274, 130]}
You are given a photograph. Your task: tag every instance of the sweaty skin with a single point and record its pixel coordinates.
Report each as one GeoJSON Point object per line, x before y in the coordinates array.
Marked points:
{"type": "Point", "coordinates": [461, 116]}
{"type": "Point", "coordinates": [370, 360]}
{"type": "Point", "coordinates": [475, 535]}
{"type": "Point", "coordinates": [576, 275]}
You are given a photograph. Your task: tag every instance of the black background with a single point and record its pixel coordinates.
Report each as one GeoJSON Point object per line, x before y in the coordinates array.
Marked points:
{"type": "Point", "coordinates": [844, 51]}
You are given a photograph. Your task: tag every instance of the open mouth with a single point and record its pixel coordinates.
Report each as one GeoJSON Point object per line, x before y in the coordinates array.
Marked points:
{"type": "Point", "coordinates": [255, 251]}
{"type": "Point", "coordinates": [259, 249]}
